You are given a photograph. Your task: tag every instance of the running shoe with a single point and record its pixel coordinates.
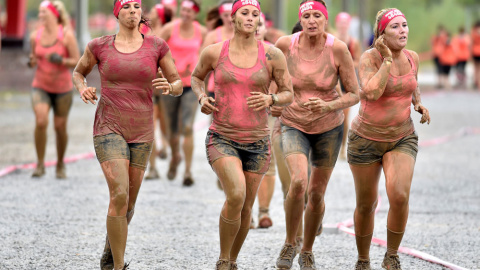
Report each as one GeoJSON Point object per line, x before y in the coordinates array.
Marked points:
{"type": "Point", "coordinates": [233, 266]}
{"type": "Point", "coordinates": [264, 220]}
{"type": "Point", "coordinates": [38, 172]}
{"type": "Point", "coordinates": [391, 262]}
{"type": "Point", "coordinates": [152, 174]}
{"type": "Point", "coordinates": [106, 261]}
{"type": "Point", "coordinates": [61, 173]}
{"type": "Point", "coordinates": [362, 265]}
{"type": "Point", "coordinates": [223, 265]}
{"type": "Point", "coordinates": [306, 260]}
{"type": "Point", "coordinates": [287, 254]}
{"type": "Point", "coordinates": [188, 180]}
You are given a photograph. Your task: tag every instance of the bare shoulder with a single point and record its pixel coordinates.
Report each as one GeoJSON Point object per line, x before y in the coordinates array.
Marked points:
{"type": "Point", "coordinates": [283, 43]}
{"type": "Point", "coordinates": [372, 55]}
{"type": "Point", "coordinates": [272, 53]}
{"type": "Point", "coordinates": [339, 46]}
{"type": "Point", "coordinates": [213, 51]}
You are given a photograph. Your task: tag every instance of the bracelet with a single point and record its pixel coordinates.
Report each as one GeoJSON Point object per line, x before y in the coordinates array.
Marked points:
{"type": "Point", "coordinates": [202, 95]}
{"type": "Point", "coordinates": [274, 99]}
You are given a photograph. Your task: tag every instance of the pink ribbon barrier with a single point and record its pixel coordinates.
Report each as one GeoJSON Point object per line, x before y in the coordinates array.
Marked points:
{"type": "Point", "coordinates": [464, 131]}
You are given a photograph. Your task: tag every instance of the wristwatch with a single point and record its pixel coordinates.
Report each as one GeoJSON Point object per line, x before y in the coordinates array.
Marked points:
{"type": "Point", "coordinates": [274, 99]}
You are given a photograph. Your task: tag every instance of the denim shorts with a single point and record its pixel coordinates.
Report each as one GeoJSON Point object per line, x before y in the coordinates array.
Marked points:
{"type": "Point", "coordinates": [114, 146]}
{"type": "Point", "coordinates": [255, 157]}
{"type": "Point", "coordinates": [324, 146]}
{"type": "Point", "coordinates": [363, 151]}
{"type": "Point", "coordinates": [60, 103]}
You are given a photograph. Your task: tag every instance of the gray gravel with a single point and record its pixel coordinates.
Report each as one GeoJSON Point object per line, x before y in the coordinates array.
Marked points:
{"type": "Point", "coordinates": [52, 224]}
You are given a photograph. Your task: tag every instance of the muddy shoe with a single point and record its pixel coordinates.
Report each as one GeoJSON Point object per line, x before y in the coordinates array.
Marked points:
{"type": "Point", "coordinates": [287, 254]}
{"type": "Point", "coordinates": [188, 180]}
{"type": "Point", "coordinates": [223, 265]}
{"type": "Point", "coordinates": [362, 265]}
{"type": "Point", "coordinates": [264, 220]}
{"type": "Point", "coordinates": [306, 260]}
{"type": "Point", "coordinates": [38, 172]}
{"type": "Point", "coordinates": [106, 262]}
{"type": "Point", "coordinates": [391, 262]}
{"type": "Point", "coordinates": [233, 266]}
{"type": "Point", "coordinates": [152, 174]}
{"type": "Point", "coordinates": [61, 172]}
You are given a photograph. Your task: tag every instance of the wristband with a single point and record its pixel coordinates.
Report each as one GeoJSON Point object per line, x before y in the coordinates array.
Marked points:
{"type": "Point", "coordinates": [274, 99]}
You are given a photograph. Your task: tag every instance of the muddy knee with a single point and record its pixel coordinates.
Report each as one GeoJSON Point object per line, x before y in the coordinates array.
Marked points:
{"type": "Point", "coordinates": [118, 203]}
{"type": "Point", "coordinates": [315, 200]}
{"type": "Point", "coordinates": [297, 188]}
{"type": "Point", "coordinates": [366, 208]}
{"type": "Point", "coordinates": [235, 200]}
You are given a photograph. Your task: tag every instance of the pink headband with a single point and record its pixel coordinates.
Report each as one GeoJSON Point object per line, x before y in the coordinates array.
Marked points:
{"type": "Point", "coordinates": [225, 8]}
{"type": "Point", "coordinates": [343, 16]}
{"type": "Point", "coordinates": [170, 2]}
{"type": "Point", "coordinates": [51, 7]}
{"type": "Point", "coordinates": [161, 12]}
{"type": "Point", "coordinates": [243, 3]}
{"type": "Point", "coordinates": [388, 17]}
{"type": "Point", "coordinates": [119, 4]}
{"type": "Point", "coordinates": [312, 5]}
{"type": "Point", "coordinates": [191, 4]}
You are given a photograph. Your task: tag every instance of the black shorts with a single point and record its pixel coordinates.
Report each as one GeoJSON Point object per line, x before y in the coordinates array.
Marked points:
{"type": "Point", "coordinates": [61, 103]}
{"type": "Point", "coordinates": [445, 69]}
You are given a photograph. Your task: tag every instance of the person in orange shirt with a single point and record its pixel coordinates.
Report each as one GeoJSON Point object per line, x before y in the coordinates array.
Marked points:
{"type": "Point", "coordinates": [437, 48]}
{"type": "Point", "coordinates": [448, 58]}
{"type": "Point", "coordinates": [461, 44]}
{"type": "Point", "coordinates": [476, 52]}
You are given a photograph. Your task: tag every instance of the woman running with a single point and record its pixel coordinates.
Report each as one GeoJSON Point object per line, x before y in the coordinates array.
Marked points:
{"type": "Point", "coordinates": [238, 145]}
{"type": "Point", "coordinates": [342, 23]}
{"type": "Point", "coordinates": [123, 127]}
{"type": "Point", "coordinates": [438, 42]}
{"type": "Point", "coordinates": [462, 47]}
{"type": "Point", "coordinates": [159, 16]}
{"type": "Point", "coordinates": [383, 135]}
{"type": "Point", "coordinates": [476, 53]}
{"type": "Point", "coordinates": [54, 50]}
{"type": "Point", "coordinates": [184, 37]}
{"type": "Point", "coordinates": [313, 123]}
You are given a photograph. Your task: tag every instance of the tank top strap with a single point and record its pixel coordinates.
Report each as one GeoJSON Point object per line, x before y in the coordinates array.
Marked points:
{"type": "Point", "coordinates": [224, 52]}
{"type": "Point", "coordinates": [261, 53]}
{"type": "Point", "coordinates": [198, 31]}
{"type": "Point", "coordinates": [294, 41]}
{"type": "Point", "coordinates": [218, 31]}
{"type": "Point", "coordinates": [176, 30]}
{"type": "Point", "coordinates": [330, 40]}
{"type": "Point", "coordinates": [60, 33]}
{"type": "Point", "coordinates": [39, 35]}
{"type": "Point", "coordinates": [410, 59]}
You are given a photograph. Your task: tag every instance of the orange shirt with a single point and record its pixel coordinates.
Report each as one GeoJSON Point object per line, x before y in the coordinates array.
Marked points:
{"type": "Point", "coordinates": [448, 57]}
{"type": "Point", "coordinates": [438, 43]}
{"type": "Point", "coordinates": [462, 47]}
{"type": "Point", "coordinates": [476, 42]}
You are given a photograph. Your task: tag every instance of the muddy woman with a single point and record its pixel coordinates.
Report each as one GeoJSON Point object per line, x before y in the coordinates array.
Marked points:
{"type": "Point", "coordinates": [313, 123]}
{"type": "Point", "coordinates": [123, 127]}
{"type": "Point", "coordinates": [383, 136]}
{"type": "Point", "coordinates": [54, 50]}
{"type": "Point", "coordinates": [238, 144]}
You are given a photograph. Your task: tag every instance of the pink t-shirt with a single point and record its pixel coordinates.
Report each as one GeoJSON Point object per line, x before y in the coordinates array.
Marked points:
{"type": "Point", "coordinates": [125, 106]}
{"type": "Point", "coordinates": [312, 78]}
{"type": "Point", "coordinates": [233, 85]}
{"type": "Point", "coordinates": [185, 52]}
{"type": "Point", "coordinates": [388, 118]}
{"type": "Point", "coordinates": [50, 77]}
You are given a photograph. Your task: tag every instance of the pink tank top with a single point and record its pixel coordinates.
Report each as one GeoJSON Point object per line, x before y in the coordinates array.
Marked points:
{"type": "Point", "coordinates": [312, 78]}
{"type": "Point", "coordinates": [185, 52]}
{"type": "Point", "coordinates": [388, 118]}
{"type": "Point", "coordinates": [233, 85]}
{"type": "Point", "coordinates": [50, 77]}
{"type": "Point", "coordinates": [125, 106]}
